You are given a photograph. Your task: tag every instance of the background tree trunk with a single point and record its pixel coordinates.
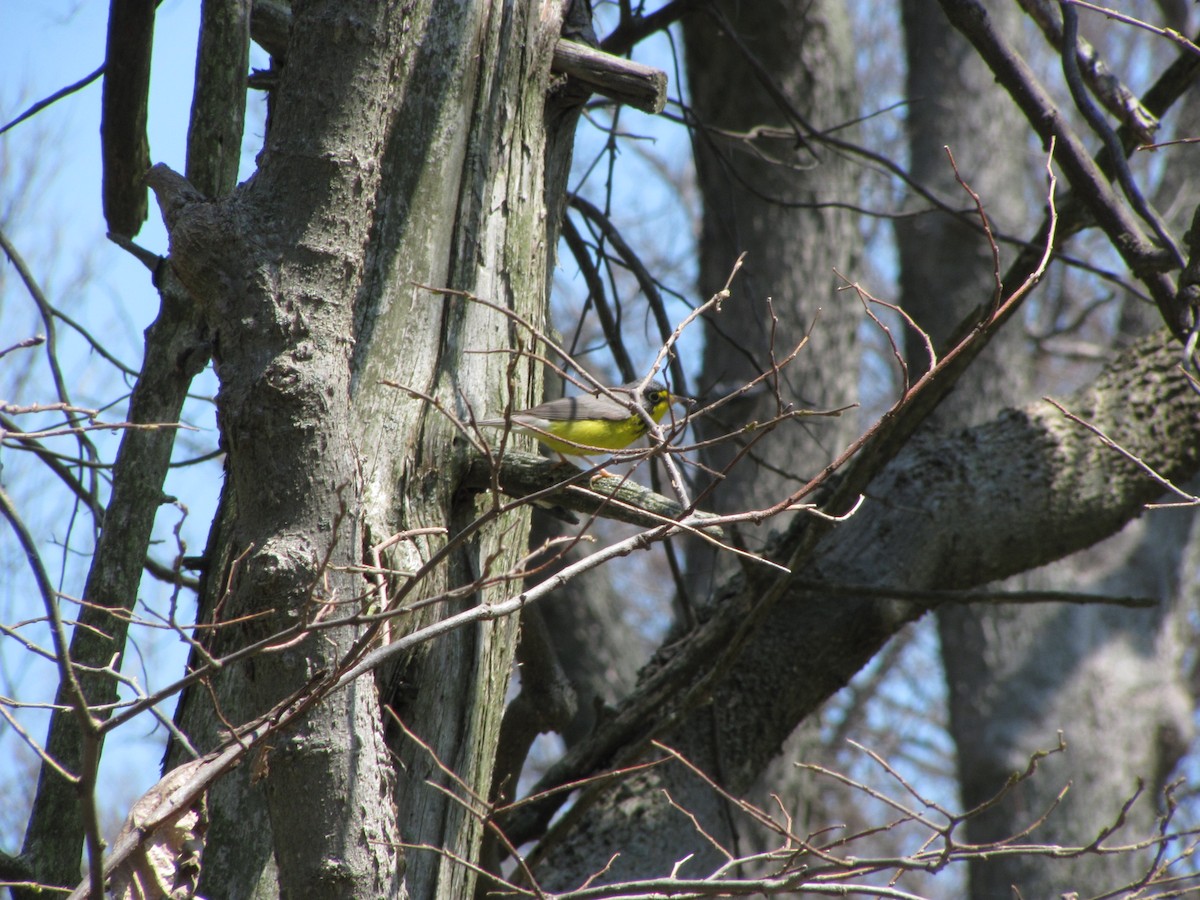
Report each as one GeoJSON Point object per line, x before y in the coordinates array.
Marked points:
{"type": "Point", "coordinates": [771, 209]}
{"type": "Point", "coordinates": [1109, 679]}
{"type": "Point", "coordinates": [766, 190]}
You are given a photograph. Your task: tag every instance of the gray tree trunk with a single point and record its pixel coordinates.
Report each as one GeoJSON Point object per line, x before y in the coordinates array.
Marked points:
{"type": "Point", "coordinates": [973, 506]}
{"type": "Point", "coordinates": [964, 510]}
{"type": "Point", "coordinates": [1109, 679]}
{"type": "Point", "coordinates": [770, 209]}
{"type": "Point", "coordinates": [408, 147]}
{"type": "Point", "coordinates": [763, 196]}
{"type": "Point", "coordinates": [768, 196]}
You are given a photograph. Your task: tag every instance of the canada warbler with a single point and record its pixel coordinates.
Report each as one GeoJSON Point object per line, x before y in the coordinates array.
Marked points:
{"type": "Point", "coordinates": [584, 425]}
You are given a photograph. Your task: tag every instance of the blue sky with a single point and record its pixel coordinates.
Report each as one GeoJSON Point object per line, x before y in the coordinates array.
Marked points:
{"type": "Point", "coordinates": [52, 161]}
{"type": "Point", "coordinates": [48, 45]}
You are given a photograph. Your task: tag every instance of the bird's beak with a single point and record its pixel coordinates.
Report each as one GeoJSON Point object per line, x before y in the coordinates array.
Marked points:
{"type": "Point", "coordinates": [686, 402]}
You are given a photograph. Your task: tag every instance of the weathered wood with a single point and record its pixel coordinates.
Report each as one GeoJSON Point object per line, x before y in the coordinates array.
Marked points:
{"type": "Point", "coordinates": [124, 147]}
{"type": "Point", "coordinates": [561, 484]}
{"type": "Point", "coordinates": [623, 80]}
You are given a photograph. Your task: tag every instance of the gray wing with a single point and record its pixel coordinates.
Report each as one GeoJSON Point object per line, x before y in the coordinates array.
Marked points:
{"type": "Point", "coordinates": [585, 407]}
{"type": "Point", "coordinates": [588, 406]}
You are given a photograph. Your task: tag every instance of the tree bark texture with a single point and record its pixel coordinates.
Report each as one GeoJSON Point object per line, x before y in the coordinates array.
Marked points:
{"type": "Point", "coordinates": [486, 161]}
{"type": "Point", "coordinates": [955, 512]}
{"type": "Point", "coordinates": [769, 208]}
{"type": "Point", "coordinates": [765, 188]}
{"type": "Point", "coordinates": [406, 149]}
{"type": "Point", "coordinates": [949, 514]}
{"type": "Point", "coordinates": [774, 197]}
{"type": "Point", "coordinates": [1109, 679]}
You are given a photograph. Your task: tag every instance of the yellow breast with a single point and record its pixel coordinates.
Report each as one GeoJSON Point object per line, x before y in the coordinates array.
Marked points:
{"type": "Point", "coordinates": [600, 433]}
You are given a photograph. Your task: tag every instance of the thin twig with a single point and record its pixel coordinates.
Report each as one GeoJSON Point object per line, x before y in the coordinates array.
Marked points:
{"type": "Point", "coordinates": [56, 96]}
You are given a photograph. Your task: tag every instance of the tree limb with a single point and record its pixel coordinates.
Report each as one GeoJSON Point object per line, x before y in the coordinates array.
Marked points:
{"type": "Point", "coordinates": [1028, 481]}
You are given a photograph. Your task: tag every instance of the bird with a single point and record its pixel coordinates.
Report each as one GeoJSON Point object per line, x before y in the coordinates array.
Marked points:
{"type": "Point", "coordinates": [584, 425]}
